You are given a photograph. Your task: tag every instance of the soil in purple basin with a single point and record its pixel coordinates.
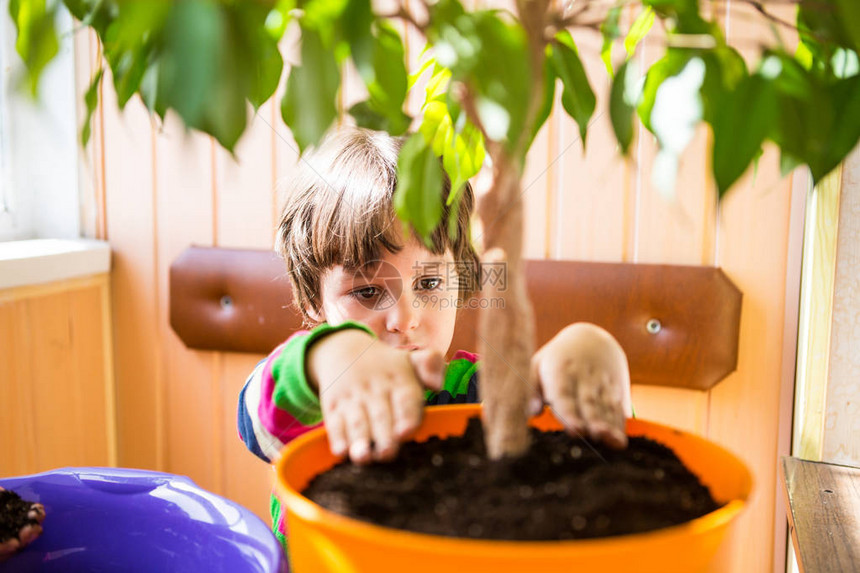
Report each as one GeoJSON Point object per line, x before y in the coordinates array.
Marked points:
{"type": "Point", "coordinates": [13, 514]}
{"type": "Point", "coordinates": [563, 488]}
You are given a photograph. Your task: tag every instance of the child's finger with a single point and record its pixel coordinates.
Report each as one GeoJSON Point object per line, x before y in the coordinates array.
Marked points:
{"type": "Point", "coordinates": [559, 383]}
{"type": "Point", "coordinates": [29, 533]}
{"type": "Point", "coordinates": [429, 366]}
{"type": "Point", "coordinates": [598, 410]}
{"type": "Point", "coordinates": [407, 406]}
{"type": "Point", "coordinates": [381, 427]}
{"type": "Point", "coordinates": [8, 547]}
{"type": "Point", "coordinates": [536, 398]}
{"type": "Point", "coordinates": [336, 430]}
{"type": "Point", "coordinates": [357, 434]}
{"type": "Point", "coordinates": [37, 512]}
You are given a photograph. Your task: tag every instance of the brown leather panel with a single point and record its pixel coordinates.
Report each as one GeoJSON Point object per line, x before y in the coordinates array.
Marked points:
{"type": "Point", "coordinates": [240, 301]}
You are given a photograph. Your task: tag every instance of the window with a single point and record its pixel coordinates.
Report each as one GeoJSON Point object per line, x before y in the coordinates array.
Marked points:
{"type": "Point", "coordinates": [38, 142]}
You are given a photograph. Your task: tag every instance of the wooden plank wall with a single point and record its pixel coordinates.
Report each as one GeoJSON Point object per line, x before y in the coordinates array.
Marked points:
{"type": "Point", "coordinates": [164, 190]}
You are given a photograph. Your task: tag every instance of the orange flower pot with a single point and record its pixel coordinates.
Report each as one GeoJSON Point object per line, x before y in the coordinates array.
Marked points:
{"type": "Point", "coordinates": [321, 540]}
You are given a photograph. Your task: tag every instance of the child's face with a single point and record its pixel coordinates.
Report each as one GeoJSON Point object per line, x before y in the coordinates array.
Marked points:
{"type": "Point", "coordinates": [408, 299]}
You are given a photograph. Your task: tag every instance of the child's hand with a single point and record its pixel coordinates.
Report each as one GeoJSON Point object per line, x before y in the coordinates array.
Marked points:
{"type": "Point", "coordinates": [372, 395]}
{"type": "Point", "coordinates": [582, 374]}
{"type": "Point", "coordinates": [26, 535]}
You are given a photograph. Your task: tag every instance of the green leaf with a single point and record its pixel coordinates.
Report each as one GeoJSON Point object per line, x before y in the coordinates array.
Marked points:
{"type": "Point", "coordinates": [788, 163]}
{"type": "Point", "coordinates": [325, 17]}
{"type": "Point", "coordinates": [849, 17]}
{"type": "Point", "coordinates": [549, 79]}
{"type": "Point", "coordinates": [436, 125]}
{"type": "Point", "coordinates": [640, 28]}
{"type": "Point", "coordinates": [681, 16]}
{"type": "Point", "coordinates": [437, 86]}
{"type": "Point", "coordinates": [308, 107]}
{"type": "Point", "coordinates": [666, 67]}
{"type": "Point", "coordinates": [611, 31]}
{"type": "Point", "coordinates": [844, 100]}
{"type": "Point", "coordinates": [128, 73]}
{"type": "Point", "coordinates": [622, 106]}
{"type": "Point", "coordinates": [462, 152]}
{"type": "Point", "coordinates": [740, 127]}
{"type": "Point", "coordinates": [502, 83]}
{"type": "Point", "coordinates": [814, 123]}
{"type": "Point", "coordinates": [672, 8]}
{"type": "Point", "coordinates": [417, 199]}
{"type": "Point", "coordinates": [379, 58]}
{"type": "Point", "coordinates": [577, 97]}
{"type": "Point", "coordinates": [267, 73]}
{"type": "Point", "coordinates": [129, 39]}
{"type": "Point", "coordinates": [366, 115]}
{"type": "Point", "coordinates": [724, 69]}
{"type": "Point", "coordinates": [388, 90]}
{"type": "Point", "coordinates": [463, 155]}
{"type": "Point", "coordinates": [278, 18]}
{"type": "Point", "coordinates": [225, 111]}
{"type": "Point", "coordinates": [91, 100]}
{"type": "Point", "coordinates": [194, 36]}
{"type": "Point", "coordinates": [80, 9]}
{"type": "Point", "coordinates": [822, 32]}
{"type": "Point", "coordinates": [358, 34]}
{"type": "Point", "coordinates": [37, 42]}
{"type": "Point", "coordinates": [413, 78]}
{"type": "Point", "coordinates": [149, 91]}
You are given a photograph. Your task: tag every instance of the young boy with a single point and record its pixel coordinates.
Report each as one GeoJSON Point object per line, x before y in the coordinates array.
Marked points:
{"type": "Point", "coordinates": [382, 319]}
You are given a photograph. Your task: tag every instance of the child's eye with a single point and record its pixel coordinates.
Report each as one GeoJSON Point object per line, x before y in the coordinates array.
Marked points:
{"type": "Point", "coordinates": [365, 293]}
{"type": "Point", "coordinates": [430, 283]}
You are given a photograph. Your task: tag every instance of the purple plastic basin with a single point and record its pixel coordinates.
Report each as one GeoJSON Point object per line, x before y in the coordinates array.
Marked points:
{"type": "Point", "coordinates": [110, 519]}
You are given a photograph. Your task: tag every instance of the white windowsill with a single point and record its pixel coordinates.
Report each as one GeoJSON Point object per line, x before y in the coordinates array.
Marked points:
{"type": "Point", "coordinates": [40, 261]}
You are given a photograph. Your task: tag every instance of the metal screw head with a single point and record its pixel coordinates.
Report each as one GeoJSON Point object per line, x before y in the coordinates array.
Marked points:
{"type": "Point", "coordinates": [653, 326]}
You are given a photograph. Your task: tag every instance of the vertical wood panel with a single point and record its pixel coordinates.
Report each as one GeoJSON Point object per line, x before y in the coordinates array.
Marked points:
{"type": "Point", "coordinates": [245, 187]}
{"type": "Point", "coordinates": [590, 204]}
{"type": "Point", "coordinates": [752, 244]}
{"type": "Point", "coordinates": [88, 376]}
{"type": "Point", "coordinates": [53, 377]}
{"type": "Point", "coordinates": [842, 418]}
{"type": "Point", "coordinates": [284, 148]}
{"type": "Point", "coordinates": [538, 177]}
{"type": "Point", "coordinates": [53, 382]}
{"type": "Point", "coordinates": [672, 227]}
{"type": "Point", "coordinates": [744, 407]}
{"type": "Point", "coordinates": [247, 480]}
{"type": "Point", "coordinates": [15, 382]}
{"type": "Point", "coordinates": [184, 205]}
{"type": "Point", "coordinates": [132, 221]}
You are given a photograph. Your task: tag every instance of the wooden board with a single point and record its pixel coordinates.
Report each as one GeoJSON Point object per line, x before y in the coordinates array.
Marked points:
{"type": "Point", "coordinates": [56, 382]}
{"type": "Point", "coordinates": [824, 514]}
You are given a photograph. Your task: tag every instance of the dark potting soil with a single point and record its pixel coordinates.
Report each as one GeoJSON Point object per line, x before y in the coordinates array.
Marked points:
{"type": "Point", "coordinates": [563, 488]}
{"type": "Point", "coordinates": [13, 514]}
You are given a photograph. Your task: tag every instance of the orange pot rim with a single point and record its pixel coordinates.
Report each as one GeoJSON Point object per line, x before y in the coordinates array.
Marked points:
{"type": "Point", "coordinates": [306, 509]}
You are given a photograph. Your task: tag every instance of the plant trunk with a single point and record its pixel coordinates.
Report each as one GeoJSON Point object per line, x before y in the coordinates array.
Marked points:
{"type": "Point", "coordinates": [506, 321]}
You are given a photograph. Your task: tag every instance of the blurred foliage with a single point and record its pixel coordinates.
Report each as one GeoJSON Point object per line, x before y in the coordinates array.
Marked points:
{"type": "Point", "coordinates": [488, 81]}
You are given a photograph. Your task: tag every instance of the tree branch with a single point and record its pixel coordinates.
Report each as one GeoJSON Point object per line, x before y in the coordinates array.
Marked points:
{"type": "Point", "coordinates": [759, 7]}
{"type": "Point", "coordinates": [404, 14]}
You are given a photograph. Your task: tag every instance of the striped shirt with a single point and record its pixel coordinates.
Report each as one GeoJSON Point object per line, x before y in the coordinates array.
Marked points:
{"type": "Point", "coordinates": [277, 404]}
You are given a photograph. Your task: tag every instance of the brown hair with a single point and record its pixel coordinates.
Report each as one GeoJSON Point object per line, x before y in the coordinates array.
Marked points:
{"type": "Point", "coordinates": [339, 211]}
